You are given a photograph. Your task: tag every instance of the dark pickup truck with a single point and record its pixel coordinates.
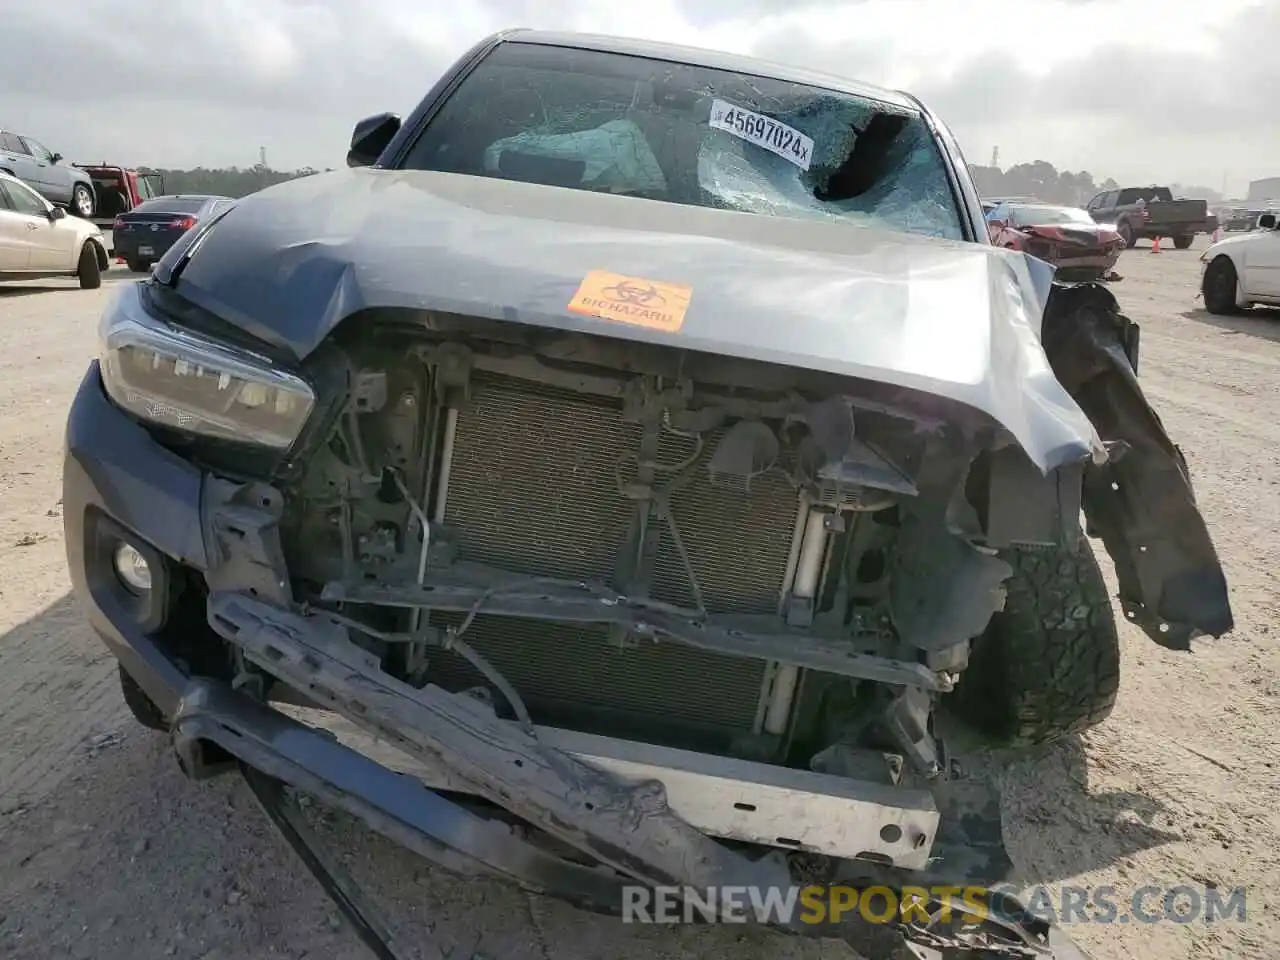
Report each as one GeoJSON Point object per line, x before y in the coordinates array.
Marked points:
{"type": "Point", "coordinates": [1151, 212]}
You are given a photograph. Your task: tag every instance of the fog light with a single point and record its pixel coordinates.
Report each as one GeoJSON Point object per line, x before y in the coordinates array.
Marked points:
{"type": "Point", "coordinates": [133, 569]}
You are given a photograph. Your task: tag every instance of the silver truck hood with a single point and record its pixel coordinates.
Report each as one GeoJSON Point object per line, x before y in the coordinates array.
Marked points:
{"type": "Point", "coordinates": [959, 320]}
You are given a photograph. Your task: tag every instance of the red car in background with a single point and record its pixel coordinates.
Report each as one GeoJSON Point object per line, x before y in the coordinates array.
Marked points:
{"type": "Point", "coordinates": [119, 190]}
{"type": "Point", "coordinates": [1066, 237]}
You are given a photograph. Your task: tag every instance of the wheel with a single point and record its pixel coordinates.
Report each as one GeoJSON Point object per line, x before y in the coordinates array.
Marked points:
{"type": "Point", "coordinates": [1219, 286]}
{"type": "Point", "coordinates": [1183, 243]}
{"type": "Point", "coordinates": [1048, 664]}
{"type": "Point", "coordinates": [1127, 235]}
{"type": "Point", "coordinates": [136, 265]}
{"type": "Point", "coordinates": [140, 705]}
{"type": "Point", "coordinates": [87, 269]}
{"type": "Point", "coordinates": [83, 203]}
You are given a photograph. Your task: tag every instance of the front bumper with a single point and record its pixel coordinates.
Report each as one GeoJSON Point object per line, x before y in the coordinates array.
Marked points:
{"type": "Point", "coordinates": [631, 816]}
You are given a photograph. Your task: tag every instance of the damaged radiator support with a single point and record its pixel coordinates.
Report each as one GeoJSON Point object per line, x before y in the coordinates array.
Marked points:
{"type": "Point", "coordinates": [734, 799]}
{"type": "Point", "coordinates": [628, 827]}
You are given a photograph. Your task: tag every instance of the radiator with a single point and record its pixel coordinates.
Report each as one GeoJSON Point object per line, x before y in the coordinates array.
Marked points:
{"type": "Point", "coordinates": [533, 489]}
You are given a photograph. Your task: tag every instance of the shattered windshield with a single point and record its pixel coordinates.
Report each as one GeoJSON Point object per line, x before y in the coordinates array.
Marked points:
{"type": "Point", "coordinates": [713, 138]}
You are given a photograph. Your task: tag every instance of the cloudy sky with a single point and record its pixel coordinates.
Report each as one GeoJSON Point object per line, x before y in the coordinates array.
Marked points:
{"type": "Point", "coordinates": [1139, 90]}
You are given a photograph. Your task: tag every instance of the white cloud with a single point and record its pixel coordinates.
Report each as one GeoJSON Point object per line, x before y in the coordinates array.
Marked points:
{"type": "Point", "coordinates": [1135, 89]}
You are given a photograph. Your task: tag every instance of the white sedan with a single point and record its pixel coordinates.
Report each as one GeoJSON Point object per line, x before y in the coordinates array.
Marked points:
{"type": "Point", "coordinates": [1243, 270]}
{"type": "Point", "coordinates": [39, 240]}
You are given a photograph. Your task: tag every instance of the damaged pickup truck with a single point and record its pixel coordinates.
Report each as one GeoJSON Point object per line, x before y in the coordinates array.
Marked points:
{"type": "Point", "coordinates": [642, 448]}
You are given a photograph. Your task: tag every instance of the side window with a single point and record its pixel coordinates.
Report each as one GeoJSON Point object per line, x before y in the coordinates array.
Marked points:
{"type": "Point", "coordinates": [12, 143]}
{"type": "Point", "coordinates": [1098, 202]}
{"type": "Point", "coordinates": [22, 200]}
{"type": "Point", "coordinates": [5, 204]}
{"type": "Point", "coordinates": [38, 150]}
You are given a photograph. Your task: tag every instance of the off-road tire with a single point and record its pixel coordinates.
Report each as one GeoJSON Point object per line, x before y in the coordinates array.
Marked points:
{"type": "Point", "coordinates": [88, 270]}
{"type": "Point", "coordinates": [1183, 243]}
{"type": "Point", "coordinates": [136, 265]}
{"type": "Point", "coordinates": [83, 203]}
{"type": "Point", "coordinates": [1219, 286]}
{"type": "Point", "coordinates": [1048, 665]}
{"type": "Point", "coordinates": [140, 705]}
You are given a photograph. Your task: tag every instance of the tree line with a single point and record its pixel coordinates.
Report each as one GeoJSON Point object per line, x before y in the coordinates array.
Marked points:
{"type": "Point", "coordinates": [1039, 179]}
{"type": "Point", "coordinates": [1042, 180]}
{"type": "Point", "coordinates": [225, 181]}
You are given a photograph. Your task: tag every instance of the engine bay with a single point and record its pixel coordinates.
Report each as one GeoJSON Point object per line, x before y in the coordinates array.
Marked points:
{"type": "Point", "coordinates": [637, 542]}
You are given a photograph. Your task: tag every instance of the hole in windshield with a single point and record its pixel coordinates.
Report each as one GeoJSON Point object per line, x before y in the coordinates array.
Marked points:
{"type": "Point", "coordinates": [591, 120]}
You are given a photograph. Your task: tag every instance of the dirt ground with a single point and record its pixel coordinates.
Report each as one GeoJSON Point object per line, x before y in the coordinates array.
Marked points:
{"type": "Point", "coordinates": [107, 852]}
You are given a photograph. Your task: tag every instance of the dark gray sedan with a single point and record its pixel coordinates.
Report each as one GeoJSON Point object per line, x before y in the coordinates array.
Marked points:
{"type": "Point", "coordinates": [142, 235]}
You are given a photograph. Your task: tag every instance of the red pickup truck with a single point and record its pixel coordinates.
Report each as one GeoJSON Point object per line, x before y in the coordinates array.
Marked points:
{"type": "Point", "coordinates": [119, 190]}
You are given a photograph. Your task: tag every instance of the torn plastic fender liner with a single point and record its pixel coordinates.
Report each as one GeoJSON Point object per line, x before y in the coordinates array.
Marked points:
{"type": "Point", "coordinates": [1141, 502]}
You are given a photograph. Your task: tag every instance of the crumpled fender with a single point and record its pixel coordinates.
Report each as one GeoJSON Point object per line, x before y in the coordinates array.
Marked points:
{"type": "Point", "coordinates": [1140, 501]}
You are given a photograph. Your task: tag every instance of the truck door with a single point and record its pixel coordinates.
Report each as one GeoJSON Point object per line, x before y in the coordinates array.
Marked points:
{"type": "Point", "coordinates": [55, 181]}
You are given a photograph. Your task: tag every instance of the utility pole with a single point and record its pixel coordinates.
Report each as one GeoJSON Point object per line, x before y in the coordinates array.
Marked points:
{"type": "Point", "coordinates": [995, 157]}
{"type": "Point", "coordinates": [262, 157]}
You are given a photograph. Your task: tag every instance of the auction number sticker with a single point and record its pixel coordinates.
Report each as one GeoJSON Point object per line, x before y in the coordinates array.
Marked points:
{"type": "Point", "coordinates": [787, 142]}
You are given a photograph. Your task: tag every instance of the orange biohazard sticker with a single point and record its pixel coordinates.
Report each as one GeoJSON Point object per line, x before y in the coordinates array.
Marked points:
{"type": "Point", "coordinates": [645, 303]}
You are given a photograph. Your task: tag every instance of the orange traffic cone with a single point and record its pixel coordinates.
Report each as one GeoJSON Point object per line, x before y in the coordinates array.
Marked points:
{"type": "Point", "coordinates": [1155, 244]}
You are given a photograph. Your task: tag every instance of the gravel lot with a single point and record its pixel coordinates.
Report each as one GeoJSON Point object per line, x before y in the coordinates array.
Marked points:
{"type": "Point", "coordinates": [106, 851]}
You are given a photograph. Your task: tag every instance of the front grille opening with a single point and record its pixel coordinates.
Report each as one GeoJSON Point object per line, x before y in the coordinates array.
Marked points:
{"type": "Point", "coordinates": [534, 488]}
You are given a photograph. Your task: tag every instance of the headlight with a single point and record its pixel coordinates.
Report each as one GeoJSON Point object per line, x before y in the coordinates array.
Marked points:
{"type": "Point", "coordinates": [185, 381]}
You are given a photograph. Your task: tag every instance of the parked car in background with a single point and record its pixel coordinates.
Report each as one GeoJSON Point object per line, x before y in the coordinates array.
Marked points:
{"type": "Point", "coordinates": [120, 189]}
{"type": "Point", "coordinates": [1241, 218]}
{"type": "Point", "coordinates": [1067, 237]}
{"type": "Point", "coordinates": [41, 168]}
{"type": "Point", "coordinates": [1240, 271]}
{"type": "Point", "coordinates": [39, 240]}
{"type": "Point", "coordinates": [145, 233]}
{"type": "Point", "coordinates": [1151, 212]}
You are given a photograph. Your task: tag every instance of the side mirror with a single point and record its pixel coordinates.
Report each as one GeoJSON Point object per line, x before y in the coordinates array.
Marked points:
{"type": "Point", "coordinates": [56, 157]}
{"type": "Point", "coordinates": [1267, 221]}
{"type": "Point", "coordinates": [370, 137]}
{"type": "Point", "coordinates": [57, 213]}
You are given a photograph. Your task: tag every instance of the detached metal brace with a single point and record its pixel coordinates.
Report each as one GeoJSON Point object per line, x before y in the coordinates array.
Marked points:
{"type": "Point", "coordinates": [333, 879]}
